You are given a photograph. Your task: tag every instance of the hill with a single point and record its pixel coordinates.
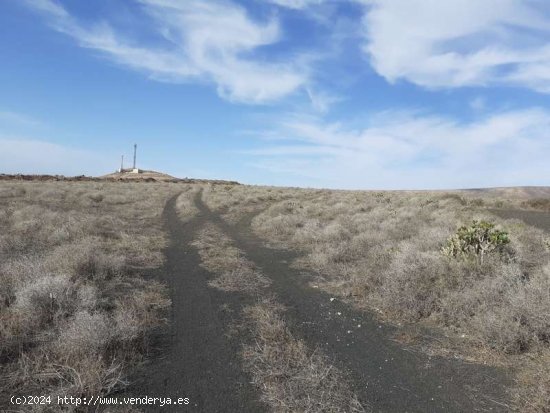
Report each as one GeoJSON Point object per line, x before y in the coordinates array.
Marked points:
{"type": "Point", "coordinates": [143, 176]}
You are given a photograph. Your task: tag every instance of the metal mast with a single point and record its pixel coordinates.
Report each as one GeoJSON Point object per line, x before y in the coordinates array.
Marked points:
{"type": "Point", "coordinates": [122, 164]}
{"type": "Point", "coordinates": [135, 152]}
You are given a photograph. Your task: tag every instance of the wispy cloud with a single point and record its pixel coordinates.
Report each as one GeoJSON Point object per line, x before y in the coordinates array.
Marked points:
{"type": "Point", "coordinates": [212, 41]}
{"type": "Point", "coordinates": [412, 150]}
{"type": "Point", "coordinates": [296, 4]}
{"type": "Point", "coordinates": [322, 101]}
{"type": "Point", "coordinates": [32, 156]}
{"type": "Point", "coordinates": [455, 43]}
{"type": "Point", "coordinates": [18, 119]}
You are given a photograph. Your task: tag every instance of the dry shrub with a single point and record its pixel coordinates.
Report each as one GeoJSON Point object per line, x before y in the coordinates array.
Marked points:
{"type": "Point", "coordinates": [292, 378]}
{"type": "Point", "coordinates": [502, 308]}
{"type": "Point", "coordinates": [412, 284]}
{"type": "Point", "coordinates": [542, 204]}
{"type": "Point", "coordinates": [96, 197]}
{"type": "Point", "coordinates": [15, 274]}
{"type": "Point", "coordinates": [85, 259]}
{"type": "Point", "coordinates": [47, 299]}
{"type": "Point", "coordinates": [84, 334]}
{"type": "Point", "coordinates": [532, 391]}
{"type": "Point", "coordinates": [238, 201]}
{"type": "Point", "coordinates": [12, 191]}
{"type": "Point", "coordinates": [383, 250]}
{"type": "Point", "coordinates": [140, 311]}
{"type": "Point", "coordinates": [74, 312]}
{"type": "Point", "coordinates": [88, 376]}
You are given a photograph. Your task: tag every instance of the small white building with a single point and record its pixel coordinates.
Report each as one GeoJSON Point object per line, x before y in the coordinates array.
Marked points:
{"type": "Point", "coordinates": [132, 170]}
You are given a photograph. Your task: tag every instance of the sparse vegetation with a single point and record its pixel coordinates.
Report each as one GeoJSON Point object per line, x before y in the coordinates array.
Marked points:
{"type": "Point", "coordinates": [75, 311]}
{"type": "Point", "coordinates": [234, 272]}
{"type": "Point", "coordinates": [532, 390]}
{"type": "Point", "coordinates": [185, 203]}
{"type": "Point", "coordinates": [239, 201]}
{"type": "Point", "coordinates": [293, 378]}
{"type": "Point", "coordinates": [290, 376]}
{"type": "Point", "coordinates": [542, 204]}
{"type": "Point", "coordinates": [382, 250]}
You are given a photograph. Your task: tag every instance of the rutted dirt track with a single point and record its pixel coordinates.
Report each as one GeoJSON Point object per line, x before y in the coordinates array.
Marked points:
{"type": "Point", "coordinates": [200, 362]}
{"type": "Point", "coordinates": [203, 363]}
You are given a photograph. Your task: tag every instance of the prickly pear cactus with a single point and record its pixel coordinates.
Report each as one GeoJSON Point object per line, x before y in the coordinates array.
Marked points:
{"type": "Point", "coordinates": [475, 240]}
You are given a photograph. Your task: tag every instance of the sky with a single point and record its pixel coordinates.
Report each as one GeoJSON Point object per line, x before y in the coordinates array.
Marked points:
{"type": "Point", "coordinates": [350, 94]}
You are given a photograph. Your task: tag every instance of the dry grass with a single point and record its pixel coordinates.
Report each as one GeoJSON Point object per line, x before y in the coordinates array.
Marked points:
{"type": "Point", "coordinates": [291, 377]}
{"type": "Point", "coordinates": [75, 313]}
{"type": "Point", "coordinates": [532, 391]}
{"type": "Point", "coordinates": [233, 271]}
{"type": "Point", "coordinates": [236, 201]}
{"type": "Point", "coordinates": [185, 203]}
{"type": "Point", "coordinates": [382, 250]}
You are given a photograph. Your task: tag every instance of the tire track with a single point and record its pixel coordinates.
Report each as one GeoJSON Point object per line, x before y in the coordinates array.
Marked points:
{"type": "Point", "coordinates": [200, 362]}
{"type": "Point", "coordinates": [386, 376]}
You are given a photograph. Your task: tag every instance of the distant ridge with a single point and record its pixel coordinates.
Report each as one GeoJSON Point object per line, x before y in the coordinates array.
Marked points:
{"type": "Point", "coordinates": [513, 191]}
{"type": "Point", "coordinates": [144, 176]}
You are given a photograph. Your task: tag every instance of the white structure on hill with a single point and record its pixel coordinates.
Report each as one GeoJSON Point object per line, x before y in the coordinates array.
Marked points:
{"type": "Point", "coordinates": [133, 170]}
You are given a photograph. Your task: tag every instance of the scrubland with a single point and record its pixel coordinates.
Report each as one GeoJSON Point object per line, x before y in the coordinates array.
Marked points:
{"type": "Point", "coordinates": [382, 251]}
{"type": "Point", "coordinates": [78, 301]}
{"type": "Point", "coordinates": [239, 201]}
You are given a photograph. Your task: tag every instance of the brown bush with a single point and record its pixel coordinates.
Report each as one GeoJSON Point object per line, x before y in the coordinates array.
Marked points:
{"type": "Point", "coordinates": [74, 311]}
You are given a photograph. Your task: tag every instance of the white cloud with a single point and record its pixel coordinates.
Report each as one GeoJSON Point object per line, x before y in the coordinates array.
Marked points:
{"type": "Point", "coordinates": [49, 7]}
{"type": "Point", "coordinates": [296, 4]}
{"type": "Point", "coordinates": [30, 156]}
{"type": "Point", "coordinates": [322, 101]}
{"type": "Point", "coordinates": [455, 43]}
{"type": "Point", "coordinates": [404, 150]}
{"type": "Point", "coordinates": [206, 41]}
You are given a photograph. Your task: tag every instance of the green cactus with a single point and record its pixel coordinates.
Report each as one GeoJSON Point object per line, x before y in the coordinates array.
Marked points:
{"type": "Point", "coordinates": [475, 240]}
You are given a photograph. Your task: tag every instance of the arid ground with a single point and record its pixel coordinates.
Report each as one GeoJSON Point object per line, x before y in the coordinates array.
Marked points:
{"type": "Point", "coordinates": [252, 299]}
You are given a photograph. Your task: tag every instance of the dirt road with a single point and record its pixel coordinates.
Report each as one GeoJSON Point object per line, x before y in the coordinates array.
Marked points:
{"type": "Point", "coordinates": [202, 360]}
{"type": "Point", "coordinates": [538, 219]}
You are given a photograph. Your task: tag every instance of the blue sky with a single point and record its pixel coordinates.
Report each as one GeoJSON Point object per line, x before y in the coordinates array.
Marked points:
{"type": "Point", "coordinates": [363, 94]}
